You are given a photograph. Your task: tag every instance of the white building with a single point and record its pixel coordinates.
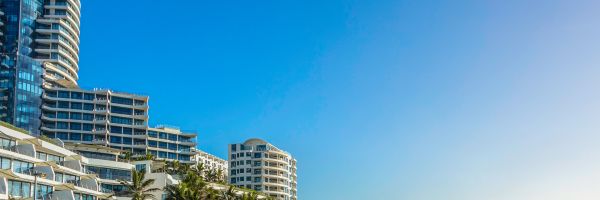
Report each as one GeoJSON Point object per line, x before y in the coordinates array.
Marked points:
{"type": "Point", "coordinates": [105, 163]}
{"type": "Point", "coordinates": [59, 173]}
{"type": "Point", "coordinates": [259, 165]}
{"type": "Point", "coordinates": [211, 161]}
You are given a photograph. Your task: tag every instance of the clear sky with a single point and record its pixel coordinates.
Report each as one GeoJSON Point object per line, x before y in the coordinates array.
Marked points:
{"type": "Point", "coordinates": [377, 99]}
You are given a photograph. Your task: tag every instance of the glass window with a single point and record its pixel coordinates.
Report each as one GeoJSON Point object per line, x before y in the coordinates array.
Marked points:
{"type": "Point", "coordinates": [121, 100]}
{"type": "Point", "coordinates": [62, 115]}
{"type": "Point", "coordinates": [76, 95]}
{"type": "Point", "coordinates": [75, 136]}
{"type": "Point", "coordinates": [88, 106]}
{"type": "Point", "coordinates": [76, 105]}
{"type": "Point", "coordinates": [88, 96]}
{"type": "Point", "coordinates": [63, 94]}
{"type": "Point", "coordinates": [115, 139]}
{"type": "Point", "coordinates": [4, 163]}
{"type": "Point", "coordinates": [126, 140]}
{"type": "Point", "coordinates": [88, 137]}
{"type": "Point", "coordinates": [75, 126]}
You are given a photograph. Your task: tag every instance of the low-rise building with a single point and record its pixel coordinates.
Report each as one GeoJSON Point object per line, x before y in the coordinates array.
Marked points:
{"type": "Point", "coordinates": [106, 164]}
{"type": "Point", "coordinates": [171, 144]}
{"type": "Point", "coordinates": [261, 166]}
{"type": "Point", "coordinates": [211, 161]}
{"type": "Point", "coordinates": [31, 166]}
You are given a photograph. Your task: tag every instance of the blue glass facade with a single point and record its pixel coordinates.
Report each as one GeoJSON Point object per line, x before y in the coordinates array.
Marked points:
{"type": "Point", "coordinates": [21, 76]}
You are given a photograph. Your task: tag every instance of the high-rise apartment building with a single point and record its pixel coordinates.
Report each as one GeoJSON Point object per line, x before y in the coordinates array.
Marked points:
{"type": "Point", "coordinates": [113, 119]}
{"type": "Point", "coordinates": [39, 46]}
{"type": "Point", "coordinates": [261, 166]}
{"type": "Point", "coordinates": [102, 117]}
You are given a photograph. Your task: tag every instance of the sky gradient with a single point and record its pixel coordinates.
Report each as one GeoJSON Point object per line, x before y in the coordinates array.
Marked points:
{"type": "Point", "coordinates": [376, 99]}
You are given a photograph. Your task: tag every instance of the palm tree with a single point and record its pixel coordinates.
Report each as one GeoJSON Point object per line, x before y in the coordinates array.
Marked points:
{"type": "Point", "coordinates": [249, 196]}
{"type": "Point", "coordinates": [229, 194]}
{"type": "Point", "coordinates": [139, 189]}
{"type": "Point", "coordinates": [192, 187]}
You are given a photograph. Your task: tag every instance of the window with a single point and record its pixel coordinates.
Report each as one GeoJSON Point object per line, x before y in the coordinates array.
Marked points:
{"type": "Point", "coordinates": [88, 96]}
{"type": "Point", "coordinates": [172, 137]}
{"type": "Point", "coordinates": [19, 189]}
{"type": "Point", "coordinates": [121, 100]}
{"type": "Point", "coordinates": [162, 145]}
{"type": "Point", "coordinates": [126, 140]}
{"type": "Point", "coordinates": [257, 155]}
{"type": "Point", "coordinates": [43, 191]}
{"type": "Point", "coordinates": [162, 154]}
{"type": "Point", "coordinates": [63, 94]}
{"type": "Point", "coordinates": [62, 115]}
{"type": "Point", "coordinates": [6, 143]}
{"type": "Point", "coordinates": [233, 147]}
{"type": "Point", "coordinates": [162, 135]}
{"type": "Point", "coordinates": [152, 134]}
{"type": "Point", "coordinates": [88, 137]}
{"type": "Point", "coordinates": [58, 177]}
{"type": "Point", "coordinates": [115, 139]}
{"type": "Point", "coordinates": [127, 131]}
{"type": "Point", "coordinates": [76, 105]}
{"type": "Point", "coordinates": [21, 166]}
{"type": "Point", "coordinates": [152, 143]}
{"type": "Point", "coordinates": [76, 95]}
{"type": "Point", "coordinates": [62, 125]}
{"type": "Point", "coordinates": [88, 127]}
{"type": "Point", "coordinates": [75, 136]}
{"type": "Point", "coordinates": [76, 116]}
{"type": "Point", "coordinates": [121, 110]}
{"type": "Point", "coordinates": [116, 129]}
{"type": "Point", "coordinates": [75, 126]}
{"type": "Point", "coordinates": [4, 163]}
{"type": "Point", "coordinates": [120, 120]}
{"type": "Point", "coordinates": [140, 167]}
{"type": "Point", "coordinates": [87, 117]}
{"type": "Point", "coordinates": [112, 174]}
{"type": "Point", "coordinates": [88, 106]}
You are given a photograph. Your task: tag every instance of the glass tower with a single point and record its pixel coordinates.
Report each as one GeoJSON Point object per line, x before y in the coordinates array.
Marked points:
{"type": "Point", "coordinates": [38, 49]}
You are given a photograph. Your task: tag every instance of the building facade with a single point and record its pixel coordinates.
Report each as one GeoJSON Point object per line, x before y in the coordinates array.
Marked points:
{"type": "Point", "coordinates": [170, 144]}
{"type": "Point", "coordinates": [101, 117]}
{"type": "Point", "coordinates": [30, 167]}
{"type": "Point", "coordinates": [211, 162]}
{"type": "Point", "coordinates": [261, 166]}
{"type": "Point", "coordinates": [105, 163]}
{"type": "Point", "coordinates": [113, 119]}
{"type": "Point", "coordinates": [39, 45]}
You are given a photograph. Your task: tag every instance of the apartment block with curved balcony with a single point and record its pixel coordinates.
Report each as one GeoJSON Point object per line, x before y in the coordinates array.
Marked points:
{"type": "Point", "coordinates": [57, 42]}
{"type": "Point", "coordinates": [39, 48]}
{"type": "Point", "coordinates": [101, 117]}
{"type": "Point", "coordinates": [31, 166]}
{"type": "Point", "coordinates": [261, 166]}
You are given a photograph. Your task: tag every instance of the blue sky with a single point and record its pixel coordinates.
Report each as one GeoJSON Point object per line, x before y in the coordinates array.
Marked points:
{"type": "Point", "coordinates": [419, 100]}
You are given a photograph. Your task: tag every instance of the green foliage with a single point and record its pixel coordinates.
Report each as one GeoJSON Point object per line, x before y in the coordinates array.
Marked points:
{"type": "Point", "coordinates": [139, 189]}
{"type": "Point", "coordinates": [196, 182]}
{"type": "Point", "coordinates": [8, 125]}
